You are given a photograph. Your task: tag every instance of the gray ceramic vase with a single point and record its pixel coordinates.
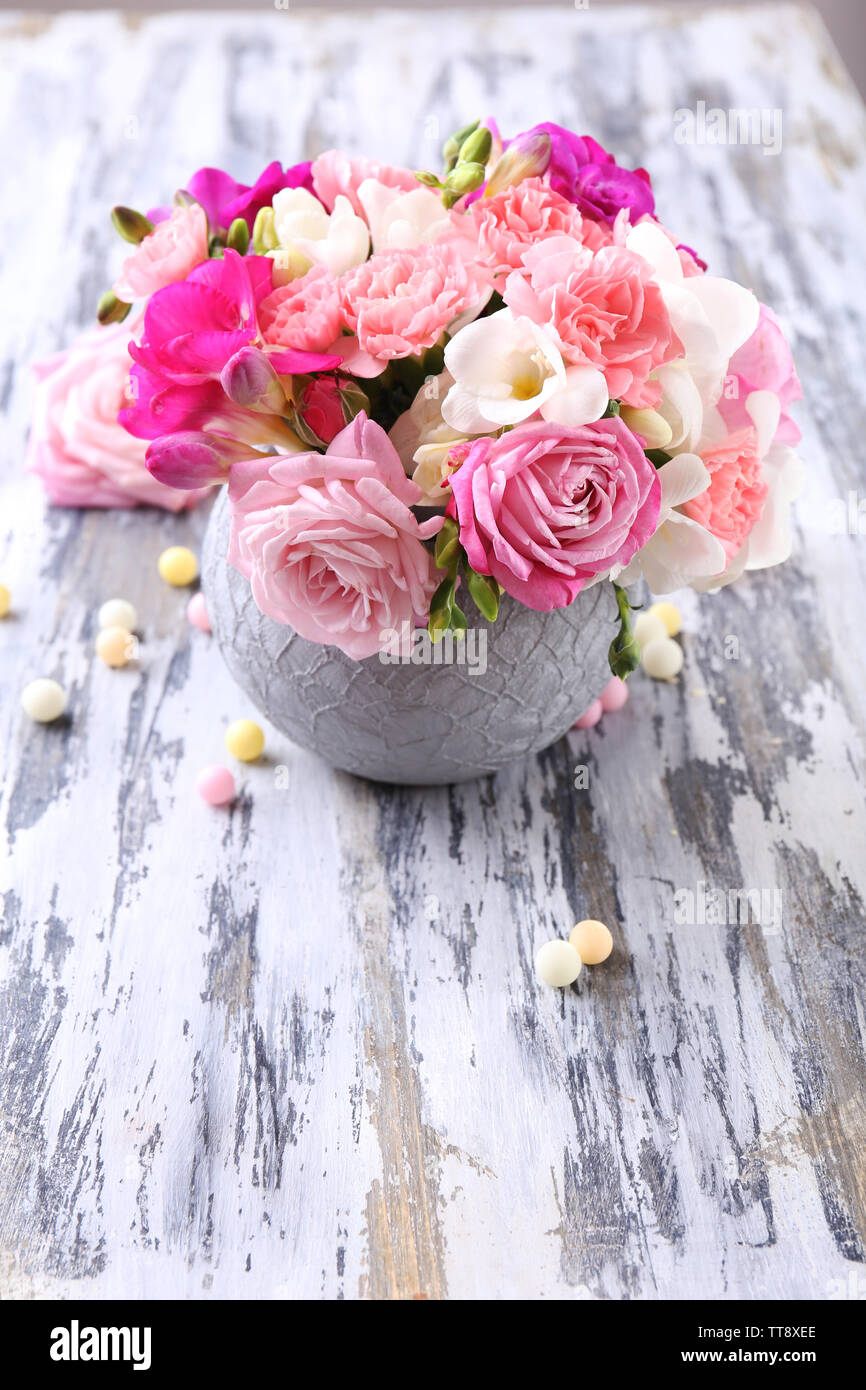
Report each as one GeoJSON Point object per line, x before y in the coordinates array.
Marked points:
{"type": "Point", "coordinates": [415, 724]}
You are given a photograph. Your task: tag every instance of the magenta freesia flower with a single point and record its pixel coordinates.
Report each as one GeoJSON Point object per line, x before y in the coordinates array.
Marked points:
{"type": "Point", "coordinates": [586, 174]}
{"type": "Point", "coordinates": [329, 542]}
{"type": "Point", "coordinates": [224, 199]}
{"type": "Point", "coordinates": [544, 509]}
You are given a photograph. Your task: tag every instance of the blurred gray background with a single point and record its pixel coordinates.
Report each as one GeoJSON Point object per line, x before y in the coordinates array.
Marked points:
{"type": "Point", "coordinates": [846, 19]}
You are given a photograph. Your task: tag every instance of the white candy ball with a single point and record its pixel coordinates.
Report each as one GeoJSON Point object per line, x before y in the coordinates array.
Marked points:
{"type": "Point", "coordinates": [557, 963]}
{"type": "Point", "coordinates": [118, 612]}
{"type": "Point", "coordinates": [662, 658]}
{"type": "Point", "coordinates": [647, 628]}
{"type": "Point", "coordinates": [43, 701]}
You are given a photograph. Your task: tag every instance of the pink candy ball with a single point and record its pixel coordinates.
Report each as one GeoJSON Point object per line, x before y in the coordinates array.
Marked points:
{"type": "Point", "coordinates": [590, 717]}
{"type": "Point", "coordinates": [614, 695]}
{"type": "Point", "coordinates": [197, 613]}
{"type": "Point", "coordinates": [215, 785]}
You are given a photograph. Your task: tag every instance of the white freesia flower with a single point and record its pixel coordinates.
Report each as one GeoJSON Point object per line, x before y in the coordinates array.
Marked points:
{"type": "Point", "coordinates": [504, 369]}
{"type": "Point", "coordinates": [581, 399]}
{"type": "Point", "coordinates": [399, 220]}
{"type": "Point", "coordinates": [711, 316]}
{"type": "Point", "coordinates": [338, 241]}
{"type": "Point", "coordinates": [423, 439]}
{"type": "Point", "coordinates": [680, 551]}
{"type": "Point", "coordinates": [680, 405]}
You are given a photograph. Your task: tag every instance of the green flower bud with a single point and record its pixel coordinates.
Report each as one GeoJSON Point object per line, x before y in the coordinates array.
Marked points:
{"type": "Point", "coordinates": [525, 158]}
{"type": "Point", "coordinates": [464, 132]}
{"type": "Point", "coordinates": [624, 653]}
{"type": "Point", "coordinates": [238, 238]}
{"type": "Point", "coordinates": [264, 235]}
{"type": "Point", "coordinates": [110, 309]}
{"type": "Point", "coordinates": [429, 180]}
{"type": "Point", "coordinates": [133, 226]}
{"type": "Point", "coordinates": [465, 179]}
{"type": "Point", "coordinates": [476, 148]}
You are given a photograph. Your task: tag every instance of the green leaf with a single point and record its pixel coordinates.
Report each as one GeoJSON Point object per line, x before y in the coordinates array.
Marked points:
{"type": "Point", "coordinates": [485, 593]}
{"type": "Point", "coordinates": [447, 546]}
{"type": "Point", "coordinates": [441, 607]}
{"type": "Point", "coordinates": [657, 457]}
{"type": "Point", "coordinates": [458, 621]}
{"type": "Point", "coordinates": [238, 238]}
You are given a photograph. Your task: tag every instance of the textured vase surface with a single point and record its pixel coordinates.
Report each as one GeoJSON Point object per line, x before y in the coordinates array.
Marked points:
{"type": "Point", "coordinates": [415, 724]}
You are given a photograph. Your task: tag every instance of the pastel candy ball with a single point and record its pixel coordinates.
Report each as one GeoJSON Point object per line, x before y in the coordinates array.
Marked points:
{"type": "Point", "coordinates": [647, 628]}
{"type": "Point", "coordinates": [5, 600]}
{"type": "Point", "coordinates": [557, 964]}
{"type": "Point", "coordinates": [245, 740]}
{"type": "Point", "coordinates": [117, 612]}
{"type": "Point", "coordinates": [592, 941]}
{"type": "Point", "coordinates": [662, 658]}
{"type": "Point", "coordinates": [43, 700]}
{"type": "Point", "coordinates": [614, 695]}
{"type": "Point", "coordinates": [215, 785]}
{"type": "Point", "coordinates": [670, 616]}
{"type": "Point", "coordinates": [178, 566]}
{"type": "Point", "coordinates": [115, 646]}
{"type": "Point", "coordinates": [197, 613]}
{"type": "Point", "coordinates": [590, 716]}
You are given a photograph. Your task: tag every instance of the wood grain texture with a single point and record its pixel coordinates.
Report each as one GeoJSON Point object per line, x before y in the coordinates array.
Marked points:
{"type": "Point", "coordinates": [297, 1049]}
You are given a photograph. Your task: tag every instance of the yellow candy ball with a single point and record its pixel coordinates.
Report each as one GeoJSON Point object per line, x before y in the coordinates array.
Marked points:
{"type": "Point", "coordinates": [670, 616]}
{"type": "Point", "coordinates": [592, 941]}
{"type": "Point", "coordinates": [245, 740]}
{"type": "Point", "coordinates": [178, 566]}
{"type": "Point", "coordinates": [43, 701]}
{"type": "Point", "coordinates": [115, 646]}
{"type": "Point", "coordinates": [5, 600]}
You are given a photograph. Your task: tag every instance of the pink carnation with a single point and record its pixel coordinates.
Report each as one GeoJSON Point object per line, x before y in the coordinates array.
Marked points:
{"type": "Point", "coordinates": [509, 223]}
{"type": "Point", "coordinates": [401, 302]}
{"type": "Point", "coordinates": [606, 309]}
{"type": "Point", "coordinates": [335, 173]}
{"type": "Point", "coordinates": [168, 253]}
{"type": "Point", "coordinates": [544, 508]}
{"type": "Point", "coordinates": [78, 448]}
{"type": "Point", "coordinates": [735, 498]}
{"type": "Point", "coordinates": [329, 543]}
{"type": "Point", "coordinates": [305, 313]}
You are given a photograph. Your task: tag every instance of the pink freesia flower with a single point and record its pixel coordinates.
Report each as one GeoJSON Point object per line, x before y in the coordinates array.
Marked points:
{"type": "Point", "coordinates": [734, 500]}
{"type": "Point", "coordinates": [606, 309]}
{"type": "Point", "coordinates": [305, 313]}
{"type": "Point", "coordinates": [585, 173]}
{"type": "Point", "coordinates": [545, 508]}
{"type": "Point", "coordinates": [401, 302]}
{"type": "Point", "coordinates": [764, 363]}
{"type": "Point", "coordinates": [329, 542]}
{"type": "Point", "coordinates": [78, 448]}
{"type": "Point", "coordinates": [510, 222]}
{"type": "Point", "coordinates": [168, 253]}
{"type": "Point", "coordinates": [335, 173]}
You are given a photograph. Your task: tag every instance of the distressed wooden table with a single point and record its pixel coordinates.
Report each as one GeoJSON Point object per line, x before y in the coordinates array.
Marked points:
{"type": "Point", "coordinates": [298, 1049]}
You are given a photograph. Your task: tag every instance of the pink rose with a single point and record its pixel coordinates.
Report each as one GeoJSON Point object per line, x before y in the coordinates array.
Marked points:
{"type": "Point", "coordinates": [763, 363]}
{"type": "Point", "coordinates": [168, 253]}
{"type": "Point", "coordinates": [335, 173]}
{"type": "Point", "coordinates": [305, 313]}
{"type": "Point", "coordinates": [509, 223]}
{"type": "Point", "coordinates": [544, 508]}
{"type": "Point", "coordinates": [606, 309]}
{"type": "Point", "coordinates": [734, 500]}
{"type": "Point", "coordinates": [329, 543]}
{"type": "Point", "coordinates": [78, 448]}
{"type": "Point", "coordinates": [401, 302]}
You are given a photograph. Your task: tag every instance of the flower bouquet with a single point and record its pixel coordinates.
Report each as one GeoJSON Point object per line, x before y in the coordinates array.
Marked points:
{"type": "Point", "coordinates": [484, 399]}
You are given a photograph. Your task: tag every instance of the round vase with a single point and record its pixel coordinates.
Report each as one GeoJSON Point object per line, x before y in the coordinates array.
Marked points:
{"type": "Point", "coordinates": [437, 713]}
